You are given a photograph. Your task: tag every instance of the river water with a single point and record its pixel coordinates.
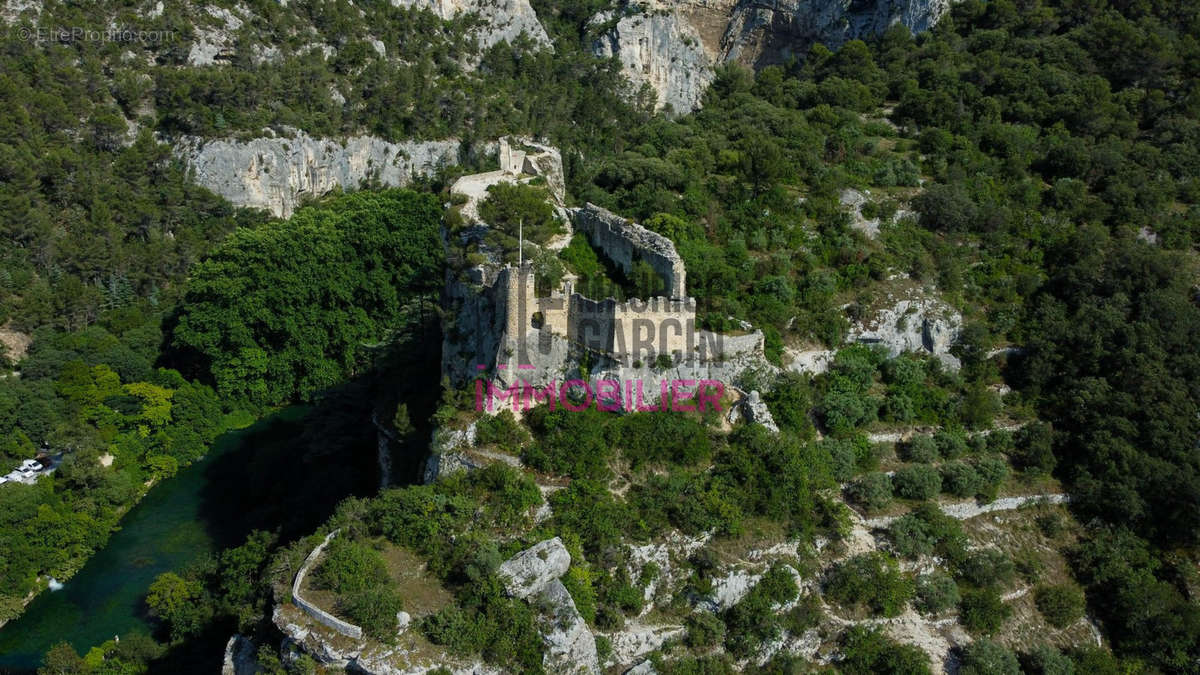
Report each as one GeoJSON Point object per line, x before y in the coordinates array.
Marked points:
{"type": "Point", "coordinates": [174, 525]}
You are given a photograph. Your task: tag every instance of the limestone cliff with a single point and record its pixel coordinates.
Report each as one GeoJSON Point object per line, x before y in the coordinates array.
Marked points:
{"type": "Point", "coordinates": [277, 173]}
{"type": "Point", "coordinates": [661, 50]}
{"type": "Point", "coordinates": [672, 45]}
{"type": "Point", "coordinates": [499, 20]}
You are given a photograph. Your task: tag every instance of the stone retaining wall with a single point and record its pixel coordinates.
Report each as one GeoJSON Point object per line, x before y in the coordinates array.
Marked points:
{"type": "Point", "coordinates": [323, 617]}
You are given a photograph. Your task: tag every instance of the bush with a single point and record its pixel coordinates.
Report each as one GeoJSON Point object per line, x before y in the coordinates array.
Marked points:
{"type": "Point", "coordinates": [873, 491]}
{"type": "Point", "coordinates": [961, 479]}
{"type": "Point", "coordinates": [983, 611]}
{"type": "Point", "coordinates": [917, 482]}
{"type": "Point", "coordinates": [999, 441]}
{"type": "Point", "coordinates": [578, 582]}
{"type": "Point", "coordinates": [501, 430]}
{"type": "Point", "coordinates": [1046, 660]}
{"type": "Point", "coordinates": [921, 449]}
{"type": "Point", "coordinates": [871, 580]}
{"type": "Point", "coordinates": [993, 471]}
{"type": "Point", "coordinates": [374, 609]}
{"type": "Point", "coordinates": [1034, 451]}
{"type": "Point", "coordinates": [987, 567]}
{"type": "Point", "coordinates": [936, 592]}
{"type": "Point", "coordinates": [984, 657]}
{"type": "Point", "coordinates": [1062, 604]}
{"type": "Point", "coordinates": [704, 630]}
{"type": "Point", "coordinates": [806, 614]}
{"type": "Point", "coordinates": [868, 652]}
{"type": "Point", "coordinates": [950, 444]}
{"type": "Point", "coordinates": [925, 531]}
{"type": "Point", "coordinates": [753, 620]}
{"type": "Point", "coordinates": [350, 566]}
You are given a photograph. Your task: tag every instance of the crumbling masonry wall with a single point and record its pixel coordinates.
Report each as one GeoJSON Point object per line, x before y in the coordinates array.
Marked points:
{"type": "Point", "coordinates": [638, 328]}
{"type": "Point", "coordinates": [624, 242]}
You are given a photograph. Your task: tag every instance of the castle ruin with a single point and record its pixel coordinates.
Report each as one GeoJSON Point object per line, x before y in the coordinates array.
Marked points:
{"type": "Point", "coordinates": [500, 327]}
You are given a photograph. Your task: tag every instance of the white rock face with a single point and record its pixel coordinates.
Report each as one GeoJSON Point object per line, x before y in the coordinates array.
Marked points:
{"type": "Point", "coordinates": [213, 42]}
{"type": "Point", "coordinates": [916, 323]}
{"type": "Point", "coordinates": [913, 324]}
{"type": "Point", "coordinates": [502, 19]}
{"type": "Point", "coordinates": [730, 589]}
{"type": "Point", "coordinates": [277, 173]}
{"type": "Point", "coordinates": [239, 657]}
{"type": "Point", "coordinates": [635, 640]}
{"type": "Point", "coordinates": [569, 646]}
{"type": "Point", "coordinates": [531, 570]}
{"type": "Point", "coordinates": [755, 411]}
{"type": "Point", "coordinates": [674, 44]}
{"type": "Point", "coordinates": [662, 50]}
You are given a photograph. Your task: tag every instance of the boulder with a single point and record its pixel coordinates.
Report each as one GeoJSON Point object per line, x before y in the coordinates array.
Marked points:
{"type": "Point", "coordinates": [531, 570]}
{"type": "Point", "coordinates": [569, 646]}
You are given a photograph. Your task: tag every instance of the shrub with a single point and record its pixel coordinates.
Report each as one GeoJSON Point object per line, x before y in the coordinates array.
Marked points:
{"type": "Point", "coordinates": [917, 482]}
{"type": "Point", "coordinates": [374, 609]}
{"type": "Point", "coordinates": [871, 580]}
{"type": "Point", "coordinates": [1046, 660]}
{"type": "Point", "coordinates": [936, 592]}
{"type": "Point", "coordinates": [350, 566]}
{"type": "Point", "coordinates": [1062, 604]}
{"type": "Point", "coordinates": [704, 630]}
{"type": "Point", "coordinates": [790, 401]}
{"type": "Point", "coordinates": [873, 491]}
{"type": "Point", "coordinates": [960, 479]}
{"type": "Point", "coordinates": [867, 651]}
{"type": "Point", "coordinates": [578, 582]}
{"type": "Point", "coordinates": [925, 531]}
{"type": "Point", "coordinates": [987, 567]}
{"type": "Point", "coordinates": [501, 430]}
{"type": "Point", "coordinates": [1034, 451]}
{"type": "Point", "coordinates": [753, 620]}
{"type": "Point", "coordinates": [993, 471]}
{"type": "Point", "coordinates": [921, 449]}
{"type": "Point", "coordinates": [843, 459]}
{"type": "Point", "coordinates": [984, 657]}
{"type": "Point", "coordinates": [999, 441]}
{"type": "Point", "coordinates": [950, 444]}
{"type": "Point", "coordinates": [983, 611]}
{"type": "Point", "coordinates": [806, 614]}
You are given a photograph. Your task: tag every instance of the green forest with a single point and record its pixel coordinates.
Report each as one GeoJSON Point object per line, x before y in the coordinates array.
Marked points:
{"type": "Point", "coordinates": [1046, 153]}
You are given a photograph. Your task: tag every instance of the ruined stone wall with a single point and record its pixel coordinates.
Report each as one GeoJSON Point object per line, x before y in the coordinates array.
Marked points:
{"type": "Point", "coordinates": [320, 615]}
{"type": "Point", "coordinates": [639, 329]}
{"type": "Point", "coordinates": [624, 242]}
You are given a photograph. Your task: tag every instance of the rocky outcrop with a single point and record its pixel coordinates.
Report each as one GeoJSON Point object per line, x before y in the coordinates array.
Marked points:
{"type": "Point", "coordinates": [754, 410]}
{"type": "Point", "coordinates": [240, 657]}
{"type": "Point", "coordinates": [277, 173]}
{"type": "Point", "coordinates": [569, 645]}
{"type": "Point", "coordinates": [760, 32]}
{"type": "Point", "coordinates": [916, 323]}
{"type": "Point", "coordinates": [635, 641]}
{"type": "Point", "coordinates": [335, 651]}
{"type": "Point", "coordinates": [661, 50]}
{"type": "Point", "coordinates": [499, 20]}
{"type": "Point", "coordinates": [529, 571]}
{"type": "Point", "coordinates": [672, 45]}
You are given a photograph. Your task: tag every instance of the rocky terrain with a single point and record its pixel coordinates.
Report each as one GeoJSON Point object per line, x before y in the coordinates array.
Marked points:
{"type": "Point", "coordinates": [673, 45]}
{"type": "Point", "coordinates": [277, 173]}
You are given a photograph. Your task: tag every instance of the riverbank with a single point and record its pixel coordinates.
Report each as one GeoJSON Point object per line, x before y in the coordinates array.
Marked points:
{"type": "Point", "coordinates": [285, 474]}
{"type": "Point", "coordinates": [15, 640]}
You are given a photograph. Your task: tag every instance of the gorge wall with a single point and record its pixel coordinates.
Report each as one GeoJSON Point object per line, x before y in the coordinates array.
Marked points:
{"type": "Point", "coordinates": [673, 45]}
{"type": "Point", "coordinates": [277, 173]}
